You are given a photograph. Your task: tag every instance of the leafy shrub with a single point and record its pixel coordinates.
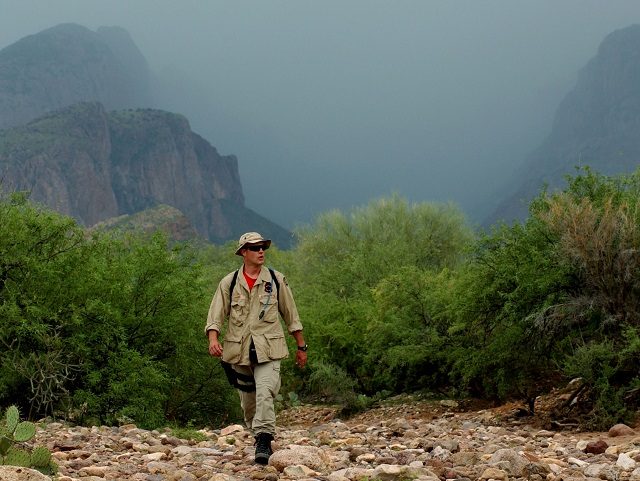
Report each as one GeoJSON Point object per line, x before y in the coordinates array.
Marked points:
{"type": "Point", "coordinates": [342, 258]}
{"type": "Point", "coordinates": [407, 338]}
{"type": "Point", "coordinates": [103, 328]}
{"type": "Point", "coordinates": [329, 383]}
{"type": "Point", "coordinates": [188, 433]}
{"type": "Point", "coordinates": [496, 348]}
{"type": "Point", "coordinates": [556, 296]}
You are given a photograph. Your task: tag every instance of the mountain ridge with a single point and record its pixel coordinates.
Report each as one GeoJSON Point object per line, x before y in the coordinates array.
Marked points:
{"type": "Point", "coordinates": [597, 124]}
{"type": "Point", "coordinates": [66, 64]}
{"type": "Point", "coordinates": [93, 165]}
{"type": "Point", "coordinates": [76, 108]}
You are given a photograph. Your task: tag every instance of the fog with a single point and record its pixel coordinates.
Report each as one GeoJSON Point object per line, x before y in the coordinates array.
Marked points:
{"type": "Point", "coordinates": [329, 104]}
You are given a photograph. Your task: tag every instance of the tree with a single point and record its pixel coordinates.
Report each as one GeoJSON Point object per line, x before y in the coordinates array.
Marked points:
{"type": "Point", "coordinates": [343, 259]}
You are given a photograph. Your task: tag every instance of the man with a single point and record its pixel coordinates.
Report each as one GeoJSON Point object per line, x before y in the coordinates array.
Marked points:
{"type": "Point", "coordinates": [251, 299]}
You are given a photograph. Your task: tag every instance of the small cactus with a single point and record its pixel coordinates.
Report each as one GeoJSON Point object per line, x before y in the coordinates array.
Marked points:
{"type": "Point", "coordinates": [12, 417]}
{"type": "Point", "coordinates": [24, 431]}
{"type": "Point", "coordinates": [13, 431]}
{"type": "Point", "coordinates": [5, 444]}
{"type": "Point", "coordinates": [40, 457]}
{"type": "Point", "coordinates": [17, 457]}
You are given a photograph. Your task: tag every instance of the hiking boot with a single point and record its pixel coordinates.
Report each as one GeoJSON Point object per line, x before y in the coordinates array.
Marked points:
{"type": "Point", "coordinates": [263, 448]}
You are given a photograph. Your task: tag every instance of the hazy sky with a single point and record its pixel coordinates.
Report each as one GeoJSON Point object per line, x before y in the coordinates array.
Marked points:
{"type": "Point", "coordinates": [330, 103]}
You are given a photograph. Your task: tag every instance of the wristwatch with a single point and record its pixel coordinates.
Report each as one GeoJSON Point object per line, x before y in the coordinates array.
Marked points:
{"type": "Point", "coordinates": [303, 348]}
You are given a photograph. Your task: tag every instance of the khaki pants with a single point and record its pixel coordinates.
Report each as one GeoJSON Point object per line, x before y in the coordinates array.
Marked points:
{"type": "Point", "coordinates": [258, 407]}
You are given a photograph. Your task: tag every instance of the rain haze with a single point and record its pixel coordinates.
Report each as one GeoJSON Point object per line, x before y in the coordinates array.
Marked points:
{"type": "Point", "coordinates": [329, 104]}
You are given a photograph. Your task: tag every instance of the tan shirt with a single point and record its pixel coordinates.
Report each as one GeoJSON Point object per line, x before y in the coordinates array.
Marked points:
{"type": "Point", "coordinates": [242, 312]}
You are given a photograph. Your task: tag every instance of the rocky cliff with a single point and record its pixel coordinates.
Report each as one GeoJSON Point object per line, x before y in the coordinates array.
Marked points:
{"type": "Point", "coordinates": [67, 64]}
{"type": "Point", "coordinates": [94, 165]}
{"type": "Point", "coordinates": [597, 125]}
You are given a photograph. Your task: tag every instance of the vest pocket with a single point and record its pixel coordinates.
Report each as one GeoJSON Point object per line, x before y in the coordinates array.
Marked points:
{"type": "Point", "coordinates": [237, 313]}
{"type": "Point", "coordinates": [277, 346]}
{"type": "Point", "coordinates": [232, 350]}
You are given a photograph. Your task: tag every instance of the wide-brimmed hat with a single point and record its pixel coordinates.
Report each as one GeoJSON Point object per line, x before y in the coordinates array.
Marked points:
{"type": "Point", "coordinates": [251, 238]}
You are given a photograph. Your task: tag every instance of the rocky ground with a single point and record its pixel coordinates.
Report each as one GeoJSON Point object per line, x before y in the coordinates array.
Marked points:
{"type": "Point", "coordinates": [428, 441]}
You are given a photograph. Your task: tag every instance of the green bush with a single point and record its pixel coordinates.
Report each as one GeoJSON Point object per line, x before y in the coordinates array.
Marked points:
{"type": "Point", "coordinates": [496, 349]}
{"type": "Point", "coordinates": [341, 261]}
{"type": "Point", "coordinates": [329, 383]}
{"type": "Point", "coordinates": [553, 297]}
{"type": "Point", "coordinates": [407, 339]}
{"type": "Point", "coordinates": [103, 328]}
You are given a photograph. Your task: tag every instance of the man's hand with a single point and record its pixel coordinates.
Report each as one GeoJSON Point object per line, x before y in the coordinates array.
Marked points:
{"type": "Point", "coordinates": [301, 359]}
{"type": "Point", "coordinates": [301, 356]}
{"type": "Point", "coordinates": [215, 349]}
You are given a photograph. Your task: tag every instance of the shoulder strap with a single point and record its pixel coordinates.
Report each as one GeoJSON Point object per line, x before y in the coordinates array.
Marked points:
{"type": "Point", "coordinates": [233, 284]}
{"type": "Point", "coordinates": [275, 279]}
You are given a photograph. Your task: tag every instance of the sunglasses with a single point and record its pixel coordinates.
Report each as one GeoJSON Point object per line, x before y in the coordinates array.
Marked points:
{"type": "Point", "coordinates": [257, 248]}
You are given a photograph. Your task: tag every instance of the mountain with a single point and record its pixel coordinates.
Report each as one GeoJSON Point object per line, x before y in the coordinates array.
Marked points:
{"type": "Point", "coordinates": [69, 63]}
{"type": "Point", "coordinates": [597, 125]}
{"type": "Point", "coordinates": [80, 160]}
{"type": "Point", "coordinates": [93, 165]}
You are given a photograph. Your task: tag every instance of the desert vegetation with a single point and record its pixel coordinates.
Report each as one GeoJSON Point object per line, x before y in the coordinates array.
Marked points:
{"type": "Point", "coordinates": [395, 297]}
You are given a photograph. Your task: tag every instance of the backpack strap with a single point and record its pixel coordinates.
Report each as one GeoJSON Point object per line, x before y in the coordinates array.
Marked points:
{"type": "Point", "coordinates": [233, 284]}
{"type": "Point", "coordinates": [275, 281]}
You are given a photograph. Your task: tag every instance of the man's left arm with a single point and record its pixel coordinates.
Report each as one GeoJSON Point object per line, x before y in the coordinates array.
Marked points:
{"type": "Point", "coordinates": [289, 313]}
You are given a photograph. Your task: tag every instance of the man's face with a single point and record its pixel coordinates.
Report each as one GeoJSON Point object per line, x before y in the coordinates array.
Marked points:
{"type": "Point", "coordinates": [254, 254]}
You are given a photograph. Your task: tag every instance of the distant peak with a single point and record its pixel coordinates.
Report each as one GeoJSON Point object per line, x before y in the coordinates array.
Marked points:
{"type": "Point", "coordinates": [622, 40]}
{"type": "Point", "coordinates": [115, 32]}
{"type": "Point", "coordinates": [66, 28]}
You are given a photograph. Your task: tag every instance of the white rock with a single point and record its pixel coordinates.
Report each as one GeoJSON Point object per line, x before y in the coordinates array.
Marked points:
{"type": "Point", "coordinates": [515, 461]}
{"type": "Point", "coordinates": [577, 462]}
{"type": "Point", "coordinates": [582, 445]}
{"type": "Point", "coordinates": [309, 456]}
{"type": "Point", "coordinates": [350, 473]}
{"type": "Point", "coordinates": [154, 457]}
{"type": "Point", "coordinates": [299, 471]}
{"type": "Point", "coordinates": [625, 462]}
{"type": "Point", "coordinates": [493, 473]}
{"type": "Point", "coordinates": [223, 477]}
{"type": "Point", "coordinates": [397, 447]}
{"type": "Point", "coordinates": [602, 471]}
{"type": "Point", "coordinates": [555, 469]}
{"type": "Point", "coordinates": [394, 472]}
{"type": "Point", "coordinates": [234, 428]}
{"type": "Point", "coordinates": [612, 450]}
{"type": "Point", "coordinates": [182, 450]}
{"type": "Point", "coordinates": [156, 467]}
{"type": "Point", "coordinates": [440, 453]}
{"type": "Point", "coordinates": [366, 458]}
